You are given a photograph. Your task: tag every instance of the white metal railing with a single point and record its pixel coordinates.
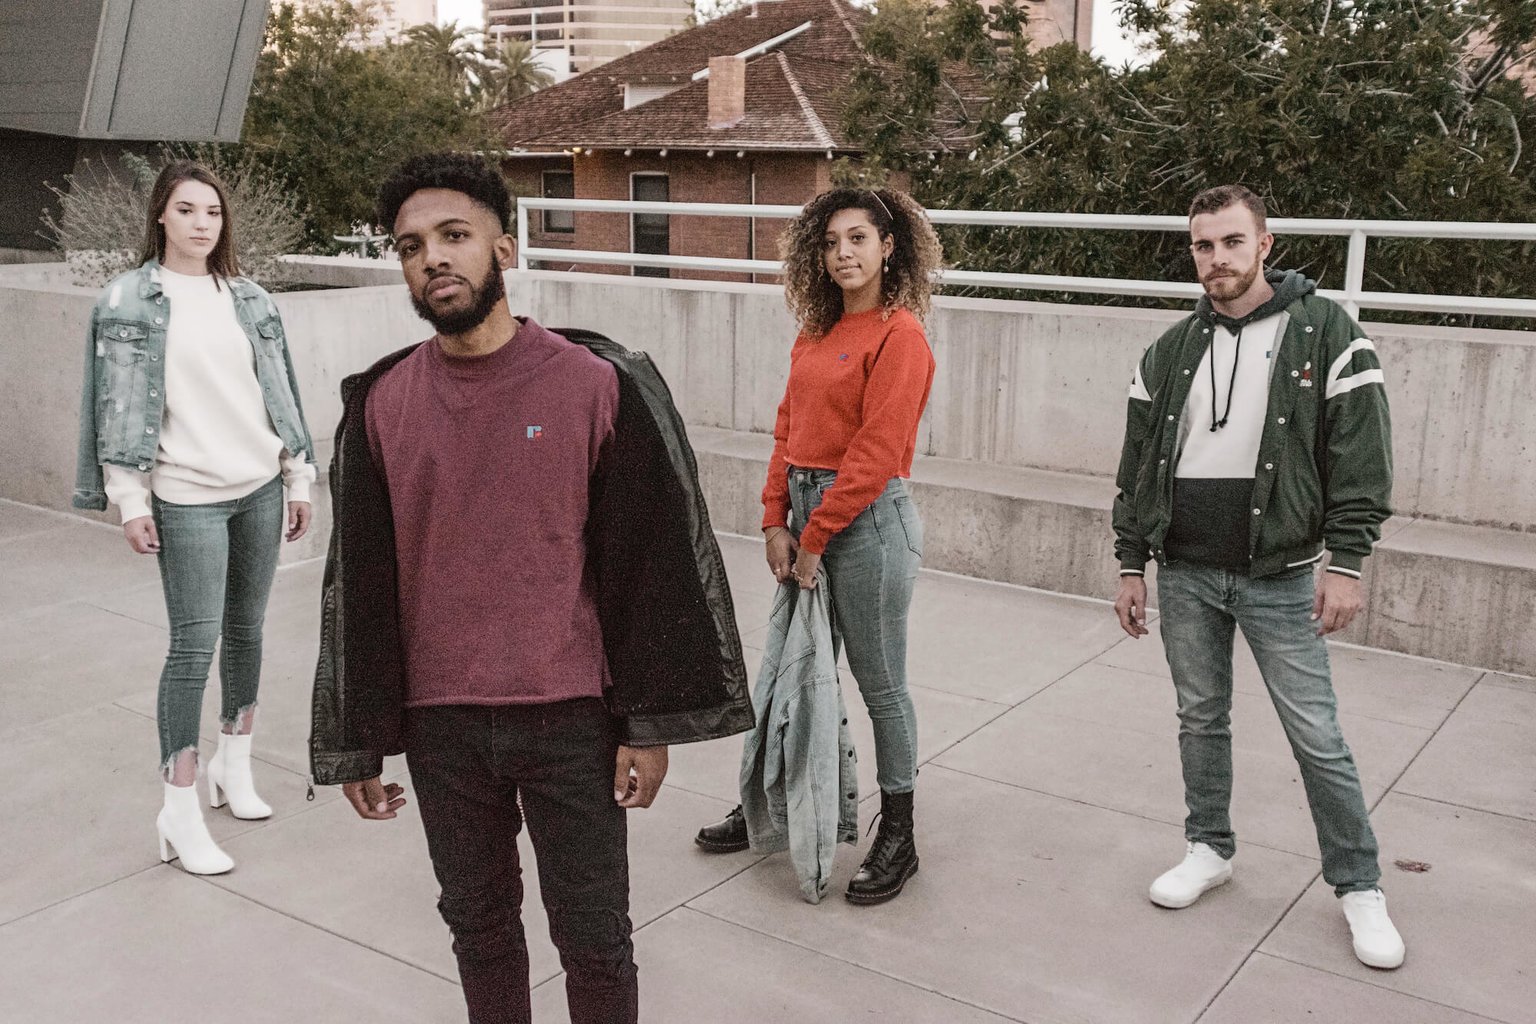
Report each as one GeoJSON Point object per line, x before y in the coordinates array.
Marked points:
{"type": "Point", "coordinates": [1353, 296]}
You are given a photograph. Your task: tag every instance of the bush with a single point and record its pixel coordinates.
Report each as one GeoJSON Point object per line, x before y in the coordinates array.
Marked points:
{"type": "Point", "coordinates": [100, 225]}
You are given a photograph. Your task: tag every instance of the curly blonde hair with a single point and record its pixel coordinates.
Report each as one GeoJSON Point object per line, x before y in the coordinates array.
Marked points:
{"type": "Point", "coordinates": [812, 295]}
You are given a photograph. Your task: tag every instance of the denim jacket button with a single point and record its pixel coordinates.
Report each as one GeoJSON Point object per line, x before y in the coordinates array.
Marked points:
{"type": "Point", "coordinates": [153, 393]}
{"type": "Point", "coordinates": [154, 358]}
{"type": "Point", "coordinates": [149, 430]}
{"type": "Point", "coordinates": [144, 466]}
{"type": "Point", "coordinates": [159, 320]}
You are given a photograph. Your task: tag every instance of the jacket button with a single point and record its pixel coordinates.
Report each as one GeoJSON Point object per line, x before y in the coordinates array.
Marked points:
{"type": "Point", "coordinates": [154, 358]}
{"type": "Point", "coordinates": [1269, 465]}
{"type": "Point", "coordinates": [153, 393]}
{"type": "Point", "coordinates": [159, 320]}
{"type": "Point", "coordinates": [1206, 331]}
{"type": "Point", "coordinates": [1162, 462]}
{"type": "Point", "coordinates": [1295, 373]}
{"type": "Point", "coordinates": [853, 796]}
{"type": "Point", "coordinates": [1309, 330]}
{"type": "Point", "coordinates": [143, 466]}
{"type": "Point", "coordinates": [1170, 417]}
{"type": "Point", "coordinates": [149, 430]}
{"type": "Point", "coordinates": [1281, 420]}
{"type": "Point", "coordinates": [1256, 512]}
{"type": "Point", "coordinates": [1186, 372]}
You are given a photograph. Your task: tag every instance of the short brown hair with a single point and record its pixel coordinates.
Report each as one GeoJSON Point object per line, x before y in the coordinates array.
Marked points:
{"type": "Point", "coordinates": [221, 261]}
{"type": "Point", "coordinates": [1214, 200]}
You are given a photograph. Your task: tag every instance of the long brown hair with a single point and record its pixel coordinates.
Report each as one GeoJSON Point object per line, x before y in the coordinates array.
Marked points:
{"type": "Point", "coordinates": [221, 261]}
{"type": "Point", "coordinates": [815, 299]}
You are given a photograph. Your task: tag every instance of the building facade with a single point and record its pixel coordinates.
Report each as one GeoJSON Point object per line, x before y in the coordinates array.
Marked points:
{"type": "Point", "coordinates": [586, 34]}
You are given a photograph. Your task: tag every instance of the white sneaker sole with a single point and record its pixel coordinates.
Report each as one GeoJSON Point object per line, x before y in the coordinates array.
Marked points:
{"type": "Point", "coordinates": [1388, 963]}
{"type": "Point", "coordinates": [1175, 903]}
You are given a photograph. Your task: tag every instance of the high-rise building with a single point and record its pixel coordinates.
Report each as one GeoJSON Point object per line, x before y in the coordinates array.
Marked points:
{"type": "Point", "coordinates": [583, 34]}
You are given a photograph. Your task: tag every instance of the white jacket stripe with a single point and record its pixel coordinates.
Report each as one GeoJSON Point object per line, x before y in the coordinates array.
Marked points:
{"type": "Point", "coordinates": [1342, 363]}
{"type": "Point", "coordinates": [1358, 380]}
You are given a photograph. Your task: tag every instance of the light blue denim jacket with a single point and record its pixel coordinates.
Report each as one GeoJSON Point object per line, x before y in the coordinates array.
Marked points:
{"type": "Point", "coordinates": [799, 786]}
{"type": "Point", "coordinates": [123, 395]}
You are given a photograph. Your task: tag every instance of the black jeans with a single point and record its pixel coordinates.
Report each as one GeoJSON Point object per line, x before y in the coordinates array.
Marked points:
{"type": "Point", "coordinates": [478, 773]}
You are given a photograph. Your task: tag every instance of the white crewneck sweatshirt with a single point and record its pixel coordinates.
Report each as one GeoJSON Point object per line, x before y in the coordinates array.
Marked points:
{"type": "Point", "coordinates": [217, 442]}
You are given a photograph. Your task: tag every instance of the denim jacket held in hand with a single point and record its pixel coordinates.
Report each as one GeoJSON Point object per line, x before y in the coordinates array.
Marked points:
{"type": "Point", "coordinates": [122, 398]}
{"type": "Point", "coordinates": [799, 784]}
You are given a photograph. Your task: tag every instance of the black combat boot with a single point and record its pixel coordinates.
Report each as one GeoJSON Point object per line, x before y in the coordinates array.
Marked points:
{"type": "Point", "coordinates": [893, 858]}
{"type": "Point", "coordinates": [726, 836]}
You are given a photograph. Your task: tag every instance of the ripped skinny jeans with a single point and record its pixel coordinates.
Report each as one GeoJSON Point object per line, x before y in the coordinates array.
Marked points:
{"type": "Point", "coordinates": [216, 564]}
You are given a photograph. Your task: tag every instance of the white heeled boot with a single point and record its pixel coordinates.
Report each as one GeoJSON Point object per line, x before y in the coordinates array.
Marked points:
{"type": "Point", "coordinates": [230, 772]}
{"type": "Point", "coordinates": [184, 836]}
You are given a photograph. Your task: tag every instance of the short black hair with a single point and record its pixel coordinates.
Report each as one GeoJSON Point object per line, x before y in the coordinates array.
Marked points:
{"type": "Point", "coordinates": [457, 171]}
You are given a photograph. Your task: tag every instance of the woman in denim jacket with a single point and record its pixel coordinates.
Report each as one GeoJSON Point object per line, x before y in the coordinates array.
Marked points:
{"type": "Point", "coordinates": [191, 425]}
{"type": "Point", "coordinates": [858, 268]}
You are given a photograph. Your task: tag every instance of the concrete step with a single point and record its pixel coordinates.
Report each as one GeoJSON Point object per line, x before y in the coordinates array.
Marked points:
{"type": "Point", "coordinates": [1437, 590]}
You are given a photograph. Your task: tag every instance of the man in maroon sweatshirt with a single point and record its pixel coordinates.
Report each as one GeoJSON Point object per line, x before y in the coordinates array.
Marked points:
{"type": "Point", "coordinates": [486, 438]}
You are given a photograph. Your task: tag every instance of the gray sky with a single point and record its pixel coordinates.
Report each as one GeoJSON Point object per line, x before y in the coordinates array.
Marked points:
{"type": "Point", "coordinates": [1107, 40]}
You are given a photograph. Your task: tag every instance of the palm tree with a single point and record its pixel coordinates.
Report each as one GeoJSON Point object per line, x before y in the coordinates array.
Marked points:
{"type": "Point", "coordinates": [512, 72]}
{"type": "Point", "coordinates": [454, 51]}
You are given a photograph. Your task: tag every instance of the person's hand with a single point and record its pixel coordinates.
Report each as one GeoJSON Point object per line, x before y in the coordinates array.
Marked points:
{"type": "Point", "coordinates": [1131, 606]}
{"type": "Point", "coordinates": [781, 551]}
{"type": "Point", "coordinates": [142, 535]}
{"type": "Point", "coordinates": [804, 572]}
{"type": "Point", "coordinates": [1337, 603]}
{"type": "Point", "coordinates": [637, 775]}
{"type": "Point", "coordinates": [299, 515]}
{"type": "Point", "coordinates": [372, 800]}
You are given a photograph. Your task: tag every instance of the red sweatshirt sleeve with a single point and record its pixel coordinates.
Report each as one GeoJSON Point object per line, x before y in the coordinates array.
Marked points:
{"type": "Point", "coordinates": [893, 403]}
{"type": "Point", "coordinates": [776, 490]}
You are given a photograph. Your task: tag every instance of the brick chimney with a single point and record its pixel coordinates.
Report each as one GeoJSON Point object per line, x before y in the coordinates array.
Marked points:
{"type": "Point", "coordinates": [727, 91]}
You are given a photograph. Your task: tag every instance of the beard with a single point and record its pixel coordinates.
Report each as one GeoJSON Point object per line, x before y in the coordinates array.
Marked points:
{"type": "Point", "coordinates": [483, 298]}
{"type": "Point", "coordinates": [1231, 285]}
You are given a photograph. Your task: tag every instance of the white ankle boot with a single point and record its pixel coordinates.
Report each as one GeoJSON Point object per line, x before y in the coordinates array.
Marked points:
{"type": "Point", "coordinates": [184, 836]}
{"type": "Point", "coordinates": [230, 772]}
{"type": "Point", "coordinates": [1201, 870]}
{"type": "Point", "coordinates": [1377, 943]}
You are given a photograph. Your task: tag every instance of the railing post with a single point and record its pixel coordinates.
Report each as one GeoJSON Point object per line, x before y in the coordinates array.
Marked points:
{"type": "Point", "coordinates": [1354, 273]}
{"type": "Point", "coordinates": [522, 236]}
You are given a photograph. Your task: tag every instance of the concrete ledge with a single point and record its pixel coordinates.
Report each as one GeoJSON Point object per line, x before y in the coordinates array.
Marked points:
{"type": "Point", "coordinates": [1437, 590]}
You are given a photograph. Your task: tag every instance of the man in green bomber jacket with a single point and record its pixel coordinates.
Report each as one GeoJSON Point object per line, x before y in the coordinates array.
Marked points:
{"type": "Point", "coordinates": [1257, 448]}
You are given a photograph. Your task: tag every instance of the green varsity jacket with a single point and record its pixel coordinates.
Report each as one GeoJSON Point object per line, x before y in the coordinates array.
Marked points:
{"type": "Point", "coordinates": [1324, 472]}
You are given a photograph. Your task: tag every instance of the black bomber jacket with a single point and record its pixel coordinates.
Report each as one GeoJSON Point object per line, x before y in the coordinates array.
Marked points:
{"type": "Point", "coordinates": [669, 628]}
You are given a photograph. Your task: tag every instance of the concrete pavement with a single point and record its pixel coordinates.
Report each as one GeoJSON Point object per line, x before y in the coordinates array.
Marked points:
{"type": "Point", "coordinates": [1049, 799]}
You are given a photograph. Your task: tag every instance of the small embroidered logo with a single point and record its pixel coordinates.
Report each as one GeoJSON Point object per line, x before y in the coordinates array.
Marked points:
{"type": "Point", "coordinates": [534, 433]}
{"type": "Point", "coordinates": [1306, 376]}
{"type": "Point", "coordinates": [843, 358]}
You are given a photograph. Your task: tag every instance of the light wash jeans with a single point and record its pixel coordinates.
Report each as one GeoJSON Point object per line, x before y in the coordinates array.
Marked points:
{"type": "Point", "coordinates": [1199, 609]}
{"type": "Point", "coordinates": [216, 564]}
{"type": "Point", "coordinates": [871, 567]}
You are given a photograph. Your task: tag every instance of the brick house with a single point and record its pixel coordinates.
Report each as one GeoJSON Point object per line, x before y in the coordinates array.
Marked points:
{"type": "Point", "coordinates": [743, 109]}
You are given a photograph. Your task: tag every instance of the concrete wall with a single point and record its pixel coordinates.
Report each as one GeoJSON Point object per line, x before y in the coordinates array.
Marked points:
{"type": "Point", "coordinates": [1022, 385]}
{"type": "Point", "coordinates": [1022, 431]}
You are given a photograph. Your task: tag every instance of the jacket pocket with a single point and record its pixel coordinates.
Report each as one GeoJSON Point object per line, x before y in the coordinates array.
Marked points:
{"type": "Point", "coordinates": [120, 388]}
{"type": "Point", "coordinates": [272, 371]}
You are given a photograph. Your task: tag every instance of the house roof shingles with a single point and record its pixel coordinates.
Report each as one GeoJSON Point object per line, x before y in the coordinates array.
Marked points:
{"type": "Point", "coordinates": [793, 92]}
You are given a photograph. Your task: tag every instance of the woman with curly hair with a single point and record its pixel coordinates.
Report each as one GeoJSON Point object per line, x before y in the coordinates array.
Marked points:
{"type": "Point", "coordinates": [858, 269]}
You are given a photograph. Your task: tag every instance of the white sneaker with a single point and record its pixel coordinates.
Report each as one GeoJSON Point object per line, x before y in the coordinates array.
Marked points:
{"type": "Point", "coordinates": [1377, 943]}
{"type": "Point", "coordinates": [1201, 870]}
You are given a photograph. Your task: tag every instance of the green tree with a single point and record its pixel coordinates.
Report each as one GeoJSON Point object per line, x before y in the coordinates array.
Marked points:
{"type": "Point", "coordinates": [1393, 109]}
{"type": "Point", "coordinates": [453, 52]}
{"type": "Point", "coordinates": [330, 118]}
{"type": "Point", "coordinates": [512, 72]}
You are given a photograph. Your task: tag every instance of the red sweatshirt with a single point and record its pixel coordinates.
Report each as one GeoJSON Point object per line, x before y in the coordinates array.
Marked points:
{"type": "Point", "coordinates": [852, 405]}
{"type": "Point", "coordinates": [487, 461]}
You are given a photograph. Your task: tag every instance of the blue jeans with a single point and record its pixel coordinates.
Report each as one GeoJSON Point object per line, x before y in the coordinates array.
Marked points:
{"type": "Point", "coordinates": [1200, 607]}
{"type": "Point", "coordinates": [871, 567]}
{"type": "Point", "coordinates": [216, 565]}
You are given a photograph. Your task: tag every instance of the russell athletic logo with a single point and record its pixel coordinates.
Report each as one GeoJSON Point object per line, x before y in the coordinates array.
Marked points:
{"type": "Point", "coordinates": [534, 433]}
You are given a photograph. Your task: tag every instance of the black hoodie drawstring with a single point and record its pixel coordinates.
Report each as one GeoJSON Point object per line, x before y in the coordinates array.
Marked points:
{"type": "Point", "coordinates": [1237, 349]}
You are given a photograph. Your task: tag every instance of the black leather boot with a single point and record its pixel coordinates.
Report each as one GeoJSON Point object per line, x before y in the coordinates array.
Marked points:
{"type": "Point", "coordinates": [726, 836]}
{"type": "Point", "coordinates": [893, 858]}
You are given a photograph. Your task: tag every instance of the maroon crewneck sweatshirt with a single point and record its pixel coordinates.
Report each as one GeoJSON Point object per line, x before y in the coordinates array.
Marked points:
{"type": "Point", "coordinates": [487, 461]}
